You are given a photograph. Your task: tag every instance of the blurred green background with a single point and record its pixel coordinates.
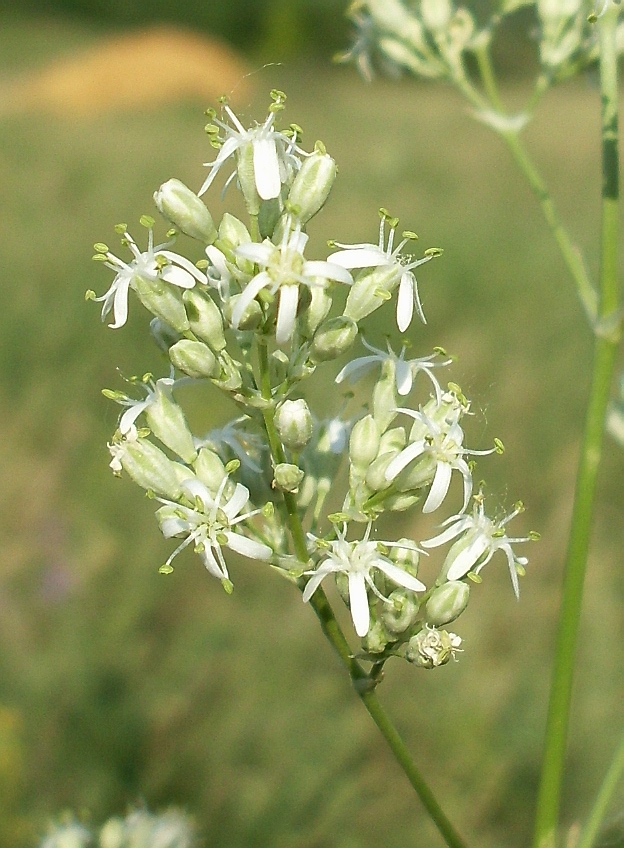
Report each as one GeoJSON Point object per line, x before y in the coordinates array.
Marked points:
{"type": "Point", "coordinates": [118, 685]}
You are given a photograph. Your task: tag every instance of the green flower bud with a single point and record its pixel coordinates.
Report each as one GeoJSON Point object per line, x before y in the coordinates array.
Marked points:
{"type": "Point", "coordinates": [416, 476]}
{"type": "Point", "coordinates": [376, 474]}
{"type": "Point", "coordinates": [287, 477]}
{"type": "Point", "coordinates": [194, 358]}
{"type": "Point", "coordinates": [316, 311]}
{"type": "Point", "coordinates": [364, 442]}
{"type": "Point", "coordinates": [376, 640]}
{"type": "Point", "coordinates": [311, 186]}
{"type": "Point", "coordinates": [293, 421]}
{"type": "Point", "coordinates": [392, 440]}
{"type": "Point", "coordinates": [400, 502]}
{"type": "Point", "coordinates": [233, 233]}
{"type": "Point", "coordinates": [401, 611]}
{"type": "Point", "coordinates": [186, 211]}
{"type": "Point", "coordinates": [406, 556]}
{"type": "Point", "coordinates": [385, 402]}
{"type": "Point", "coordinates": [162, 300]}
{"type": "Point", "coordinates": [447, 602]}
{"type": "Point", "coordinates": [147, 465]}
{"type": "Point", "coordinates": [230, 378]}
{"type": "Point", "coordinates": [168, 423]}
{"type": "Point", "coordinates": [251, 318]}
{"type": "Point", "coordinates": [204, 318]}
{"type": "Point", "coordinates": [210, 469]}
{"type": "Point", "coordinates": [333, 338]}
{"type": "Point", "coordinates": [370, 290]}
{"type": "Point", "coordinates": [431, 648]}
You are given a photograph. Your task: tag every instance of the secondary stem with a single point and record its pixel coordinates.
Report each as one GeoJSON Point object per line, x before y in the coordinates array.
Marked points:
{"type": "Point", "coordinates": [605, 349]}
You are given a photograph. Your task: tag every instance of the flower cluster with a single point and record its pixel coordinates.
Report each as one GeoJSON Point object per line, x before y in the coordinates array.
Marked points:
{"type": "Point", "coordinates": [300, 491]}
{"type": "Point", "coordinates": [139, 829]}
{"type": "Point", "coordinates": [443, 40]}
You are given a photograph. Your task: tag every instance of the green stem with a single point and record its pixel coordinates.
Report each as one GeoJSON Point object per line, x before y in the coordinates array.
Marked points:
{"type": "Point", "coordinates": [605, 349]}
{"type": "Point", "coordinates": [609, 785]}
{"type": "Point", "coordinates": [363, 683]}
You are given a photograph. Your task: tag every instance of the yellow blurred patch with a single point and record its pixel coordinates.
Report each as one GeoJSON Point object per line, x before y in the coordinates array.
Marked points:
{"type": "Point", "coordinates": [138, 70]}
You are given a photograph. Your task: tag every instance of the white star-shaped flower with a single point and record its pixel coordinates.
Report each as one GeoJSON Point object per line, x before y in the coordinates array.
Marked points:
{"type": "Point", "coordinates": [481, 538]}
{"type": "Point", "coordinates": [444, 448]}
{"type": "Point", "coordinates": [274, 153]}
{"type": "Point", "coordinates": [285, 269]}
{"type": "Point", "coordinates": [357, 560]}
{"type": "Point", "coordinates": [152, 264]}
{"type": "Point", "coordinates": [210, 525]}
{"type": "Point", "coordinates": [378, 256]}
{"type": "Point", "coordinates": [405, 370]}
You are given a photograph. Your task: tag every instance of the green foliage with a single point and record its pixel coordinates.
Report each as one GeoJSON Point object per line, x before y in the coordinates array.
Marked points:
{"type": "Point", "coordinates": [125, 684]}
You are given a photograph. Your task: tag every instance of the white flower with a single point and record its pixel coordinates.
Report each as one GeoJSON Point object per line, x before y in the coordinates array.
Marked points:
{"type": "Point", "coordinates": [480, 538]}
{"type": "Point", "coordinates": [285, 270]}
{"type": "Point", "coordinates": [274, 159]}
{"type": "Point", "coordinates": [210, 525]}
{"type": "Point", "coordinates": [405, 370]}
{"type": "Point", "coordinates": [357, 560]}
{"type": "Point", "coordinates": [378, 256]}
{"type": "Point", "coordinates": [154, 263]}
{"type": "Point", "coordinates": [443, 446]}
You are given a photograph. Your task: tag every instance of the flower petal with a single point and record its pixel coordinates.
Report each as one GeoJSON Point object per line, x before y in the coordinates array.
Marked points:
{"type": "Point", "coordinates": [439, 487]}
{"type": "Point", "coordinates": [358, 600]}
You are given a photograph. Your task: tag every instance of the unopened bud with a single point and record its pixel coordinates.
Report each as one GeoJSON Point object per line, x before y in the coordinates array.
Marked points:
{"type": "Point", "coordinates": [400, 612]}
{"type": "Point", "coordinates": [293, 421]}
{"type": "Point", "coordinates": [287, 477]}
{"type": "Point", "coordinates": [162, 300]}
{"type": "Point", "coordinates": [376, 479]}
{"type": "Point", "coordinates": [364, 442]}
{"type": "Point", "coordinates": [168, 423]}
{"type": "Point", "coordinates": [333, 338]}
{"type": "Point", "coordinates": [447, 602]}
{"type": "Point", "coordinates": [186, 211]}
{"type": "Point", "coordinates": [194, 358]}
{"type": "Point", "coordinates": [376, 640]}
{"type": "Point", "coordinates": [406, 555]}
{"type": "Point", "coordinates": [147, 465]}
{"type": "Point", "coordinates": [372, 289]}
{"type": "Point", "coordinates": [204, 318]}
{"type": "Point", "coordinates": [311, 186]}
{"type": "Point", "coordinates": [317, 310]}
{"type": "Point", "coordinates": [210, 469]}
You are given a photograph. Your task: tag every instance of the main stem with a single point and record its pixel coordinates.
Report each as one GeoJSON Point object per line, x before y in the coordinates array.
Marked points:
{"type": "Point", "coordinates": [362, 682]}
{"type": "Point", "coordinates": [605, 349]}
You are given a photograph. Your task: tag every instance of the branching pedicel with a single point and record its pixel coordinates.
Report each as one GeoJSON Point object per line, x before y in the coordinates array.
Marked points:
{"type": "Point", "coordinates": [256, 318]}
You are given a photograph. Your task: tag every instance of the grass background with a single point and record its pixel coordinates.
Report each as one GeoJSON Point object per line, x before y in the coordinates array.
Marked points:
{"type": "Point", "coordinates": [118, 685]}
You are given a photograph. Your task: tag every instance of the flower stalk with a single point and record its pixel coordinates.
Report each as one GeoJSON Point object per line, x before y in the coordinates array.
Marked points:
{"type": "Point", "coordinates": [605, 350]}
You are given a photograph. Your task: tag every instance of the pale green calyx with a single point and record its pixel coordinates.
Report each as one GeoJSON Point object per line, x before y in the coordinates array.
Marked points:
{"type": "Point", "coordinates": [185, 210]}
{"type": "Point", "coordinates": [312, 185]}
{"type": "Point", "coordinates": [146, 464]}
{"type": "Point", "coordinates": [194, 359]}
{"type": "Point", "coordinates": [293, 421]}
{"type": "Point", "coordinates": [287, 477]}
{"type": "Point", "coordinates": [447, 602]}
